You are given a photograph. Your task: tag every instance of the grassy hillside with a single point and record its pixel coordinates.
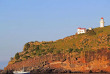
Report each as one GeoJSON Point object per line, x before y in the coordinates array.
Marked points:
{"type": "Point", "coordinates": [76, 45]}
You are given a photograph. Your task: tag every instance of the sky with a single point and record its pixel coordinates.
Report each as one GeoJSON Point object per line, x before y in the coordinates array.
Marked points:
{"type": "Point", "coordinates": [22, 21]}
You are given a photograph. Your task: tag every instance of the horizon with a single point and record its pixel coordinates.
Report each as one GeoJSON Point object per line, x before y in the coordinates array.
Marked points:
{"type": "Point", "coordinates": [24, 21]}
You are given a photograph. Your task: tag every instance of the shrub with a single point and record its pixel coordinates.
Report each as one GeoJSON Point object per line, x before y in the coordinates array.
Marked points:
{"type": "Point", "coordinates": [70, 50]}
{"type": "Point", "coordinates": [17, 56]}
{"type": "Point", "coordinates": [50, 50]}
{"type": "Point", "coordinates": [26, 52]}
{"type": "Point", "coordinates": [78, 50]}
{"type": "Point", "coordinates": [44, 53]}
{"type": "Point", "coordinates": [32, 50]}
{"type": "Point", "coordinates": [20, 60]}
{"type": "Point", "coordinates": [91, 32]}
{"type": "Point", "coordinates": [39, 54]}
{"type": "Point", "coordinates": [27, 45]}
{"type": "Point", "coordinates": [26, 57]}
{"type": "Point", "coordinates": [58, 52]}
{"type": "Point", "coordinates": [37, 47]}
{"type": "Point", "coordinates": [100, 31]}
{"type": "Point", "coordinates": [43, 50]}
{"type": "Point", "coordinates": [33, 53]}
{"type": "Point", "coordinates": [25, 49]}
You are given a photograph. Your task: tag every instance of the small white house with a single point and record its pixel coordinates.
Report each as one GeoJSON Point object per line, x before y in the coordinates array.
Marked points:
{"type": "Point", "coordinates": [81, 30]}
{"type": "Point", "coordinates": [102, 22]}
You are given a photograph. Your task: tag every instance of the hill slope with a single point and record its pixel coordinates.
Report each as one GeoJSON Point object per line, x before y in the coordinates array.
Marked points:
{"type": "Point", "coordinates": [89, 48]}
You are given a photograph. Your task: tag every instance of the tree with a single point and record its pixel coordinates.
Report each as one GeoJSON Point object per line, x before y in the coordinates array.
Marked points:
{"type": "Point", "coordinates": [17, 56]}
{"type": "Point", "coordinates": [27, 45]}
{"type": "Point", "coordinates": [37, 47]}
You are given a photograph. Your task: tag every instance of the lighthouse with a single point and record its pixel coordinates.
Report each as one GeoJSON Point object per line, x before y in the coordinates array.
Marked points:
{"type": "Point", "coordinates": [102, 22]}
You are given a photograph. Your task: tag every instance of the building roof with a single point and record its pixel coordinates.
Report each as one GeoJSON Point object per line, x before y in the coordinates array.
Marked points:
{"type": "Point", "coordinates": [81, 28]}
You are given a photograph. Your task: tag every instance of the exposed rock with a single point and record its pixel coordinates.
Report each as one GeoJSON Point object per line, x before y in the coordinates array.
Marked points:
{"type": "Point", "coordinates": [7, 72]}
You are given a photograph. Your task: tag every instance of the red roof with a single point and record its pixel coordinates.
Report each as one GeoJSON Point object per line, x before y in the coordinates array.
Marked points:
{"type": "Point", "coordinates": [81, 28]}
{"type": "Point", "coordinates": [102, 18]}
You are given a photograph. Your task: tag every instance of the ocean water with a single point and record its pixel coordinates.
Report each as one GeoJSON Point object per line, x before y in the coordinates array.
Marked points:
{"type": "Point", "coordinates": [3, 64]}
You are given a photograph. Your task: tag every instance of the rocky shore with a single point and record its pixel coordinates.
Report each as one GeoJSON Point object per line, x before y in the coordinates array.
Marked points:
{"type": "Point", "coordinates": [65, 67]}
{"type": "Point", "coordinates": [95, 66]}
{"type": "Point", "coordinates": [50, 71]}
{"type": "Point", "coordinates": [6, 72]}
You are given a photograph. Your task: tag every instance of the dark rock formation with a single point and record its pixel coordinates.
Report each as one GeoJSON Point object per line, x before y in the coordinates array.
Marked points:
{"type": "Point", "coordinates": [7, 72]}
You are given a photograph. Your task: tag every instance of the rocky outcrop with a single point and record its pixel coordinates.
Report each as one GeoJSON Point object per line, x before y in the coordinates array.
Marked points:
{"type": "Point", "coordinates": [92, 62]}
{"type": "Point", "coordinates": [6, 72]}
{"type": "Point", "coordinates": [55, 66]}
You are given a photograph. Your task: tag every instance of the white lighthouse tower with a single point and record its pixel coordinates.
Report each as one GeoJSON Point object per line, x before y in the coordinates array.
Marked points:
{"type": "Point", "coordinates": [102, 22]}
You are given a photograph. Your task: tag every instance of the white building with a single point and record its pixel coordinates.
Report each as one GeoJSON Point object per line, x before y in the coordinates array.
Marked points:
{"type": "Point", "coordinates": [90, 28]}
{"type": "Point", "coordinates": [102, 22]}
{"type": "Point", "coordinates": [81, 30]}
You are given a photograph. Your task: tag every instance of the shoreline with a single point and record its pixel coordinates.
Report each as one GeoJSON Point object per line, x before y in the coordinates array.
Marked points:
{"type": "Point", "coordinates": [52, 71]}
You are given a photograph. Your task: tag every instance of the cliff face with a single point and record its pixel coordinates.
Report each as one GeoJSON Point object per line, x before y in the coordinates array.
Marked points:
{"type": "Point", "coordinates": [98, 63]}
{"type": "Point", "coordinates": [75, 53]}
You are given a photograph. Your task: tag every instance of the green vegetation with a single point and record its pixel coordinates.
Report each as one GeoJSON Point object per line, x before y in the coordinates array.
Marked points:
{"type": "Point", "coordinates": [37, 47]}
{"type": "Point", "coordinates": [70, 50]}
{"type": "Point", "coordinates": [17, 56]}
{"type": "Point", "coordinates": [78, 50]}
{"type": "Point", "coordinates": [27, 45]}
{"type": "Point", "coordinates": [26, 57]}
{"type": "Point", "coordinates": [58, 51]}
{"type": "Point", "coordinates": [91, 32]}
{"type": "Point", "coordinates": [50, 50]}
{"type": "Point", "coordinates": [26, 52]}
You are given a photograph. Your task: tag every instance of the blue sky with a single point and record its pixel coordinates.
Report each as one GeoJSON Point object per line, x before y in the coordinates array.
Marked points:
{"type": "Point", "coordinates": [22, 21]}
